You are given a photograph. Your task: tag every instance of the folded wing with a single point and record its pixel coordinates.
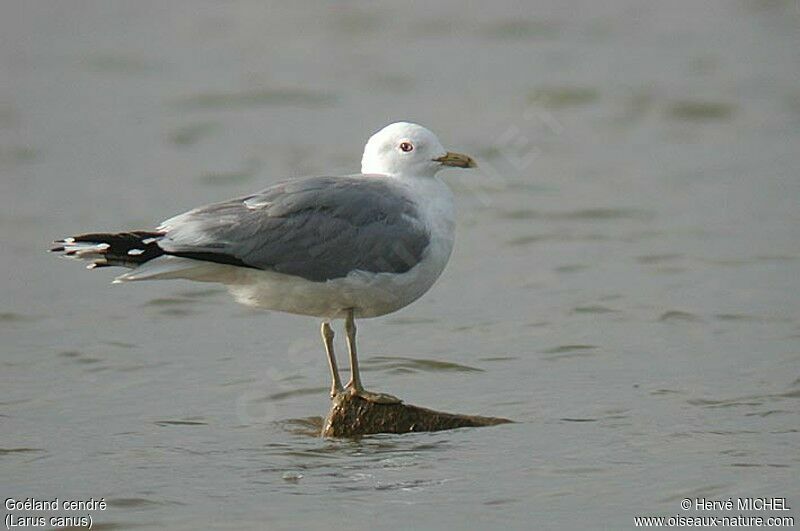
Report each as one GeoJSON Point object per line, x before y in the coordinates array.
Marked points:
{"type": "Point", "coordinates": [318, 228]}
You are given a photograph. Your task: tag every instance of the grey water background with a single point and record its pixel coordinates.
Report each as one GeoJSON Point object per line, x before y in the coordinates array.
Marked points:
{"type": "Point", "coordinates": [625, 283]}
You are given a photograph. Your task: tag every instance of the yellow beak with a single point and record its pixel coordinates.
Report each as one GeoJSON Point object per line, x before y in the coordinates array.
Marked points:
{"type": "Point", "coordinates": [457, 160]}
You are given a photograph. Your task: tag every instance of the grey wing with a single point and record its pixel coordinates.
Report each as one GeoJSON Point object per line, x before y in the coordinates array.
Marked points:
{"type": "Point", "coordinates": [318, 228]}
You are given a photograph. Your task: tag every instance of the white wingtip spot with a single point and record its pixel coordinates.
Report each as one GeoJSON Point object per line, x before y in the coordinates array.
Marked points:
{"type": "Point", "coordinates": [135, 252]}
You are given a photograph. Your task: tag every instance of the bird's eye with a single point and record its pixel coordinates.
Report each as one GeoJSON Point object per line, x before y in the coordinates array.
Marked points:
{"type": "Point", "coordinates": [406, 147]}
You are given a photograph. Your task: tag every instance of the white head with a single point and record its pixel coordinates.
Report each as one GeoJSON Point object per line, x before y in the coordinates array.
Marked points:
{"type": "Point", "coordinates": [403, 148]}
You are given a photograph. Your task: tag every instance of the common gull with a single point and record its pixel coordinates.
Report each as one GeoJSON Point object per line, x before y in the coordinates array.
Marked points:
{"type": "Point", "coordinates": [347, 247]}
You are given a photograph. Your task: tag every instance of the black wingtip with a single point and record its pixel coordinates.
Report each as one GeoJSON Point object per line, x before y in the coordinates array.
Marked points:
{"type": "Point", "coordinates": [59, 246]}
{"type": "Point", "coordinates": [127, 249]}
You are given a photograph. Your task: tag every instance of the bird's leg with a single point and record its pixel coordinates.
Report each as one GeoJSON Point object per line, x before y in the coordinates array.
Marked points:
{"type": "Point", "coordinates": [354, 385]}
{"type": "Point", "coordinates": [327, 337]}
